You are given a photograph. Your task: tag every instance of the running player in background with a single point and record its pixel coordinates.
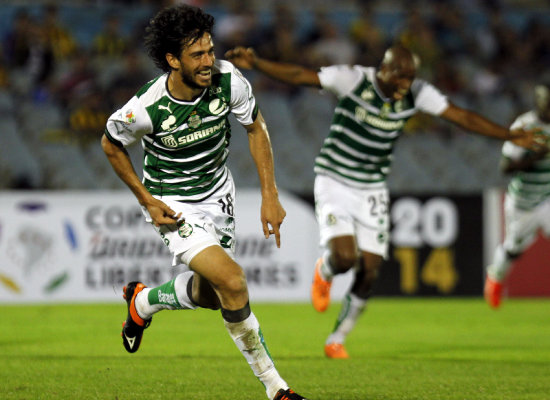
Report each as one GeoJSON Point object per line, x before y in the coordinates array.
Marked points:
{"type": "Point", "coordinates": [527, 200]}
{"type": "Point", "coordinates": [351, 196]}
{"type": "Point", "coordinates": [187, 193]}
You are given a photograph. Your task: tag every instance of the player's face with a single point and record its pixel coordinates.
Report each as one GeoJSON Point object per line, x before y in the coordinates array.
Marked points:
{"type": "Point", "coordinates": [542, 100]}
{"type": "Point", "coordinates": [196, 61]}
{"type": "Point", "coordinates": [396, 80]}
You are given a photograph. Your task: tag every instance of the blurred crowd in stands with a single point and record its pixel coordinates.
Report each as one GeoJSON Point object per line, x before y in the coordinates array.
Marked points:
{"type": "Point", "coordinates": [66, 66]}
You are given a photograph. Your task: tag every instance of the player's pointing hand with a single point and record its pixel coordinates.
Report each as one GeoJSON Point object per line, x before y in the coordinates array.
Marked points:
{"type": "Point", "coordinates": [272, 217]}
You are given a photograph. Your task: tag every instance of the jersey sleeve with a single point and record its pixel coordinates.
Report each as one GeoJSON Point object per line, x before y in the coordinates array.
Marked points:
{"type": "Point", "coordinates": [427, 98]}
{"type": "Point", "coordinates": [129, 124]}
{"type": "Point", "coordinates": [339, 79]}
{"type": "Point", "coordinates": [511, 150]}
{"type": "Point", "coordinates": [243, 103]}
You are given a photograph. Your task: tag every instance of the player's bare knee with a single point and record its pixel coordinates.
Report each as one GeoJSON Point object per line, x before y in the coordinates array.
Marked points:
{"type": "Point", "coordinates": [233, 286]}
{"type": "Point", "coordinates": [342, 261]}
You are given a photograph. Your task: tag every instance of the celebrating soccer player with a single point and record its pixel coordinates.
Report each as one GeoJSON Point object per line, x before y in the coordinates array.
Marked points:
{"type": "Point", "coordinates": [187, 193]}
{"type": "Point", "coordinates": [351, 195]}
{"type": "Point", "coordinates": [527, 200]}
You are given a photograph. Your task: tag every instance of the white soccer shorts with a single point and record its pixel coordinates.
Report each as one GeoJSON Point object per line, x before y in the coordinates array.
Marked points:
{"type": "Point", "coordinates": [207, 223]}
{"type": "Point", "coordinates": [342, 210]}
{"type": "Point", "coordinates": [522, 225]}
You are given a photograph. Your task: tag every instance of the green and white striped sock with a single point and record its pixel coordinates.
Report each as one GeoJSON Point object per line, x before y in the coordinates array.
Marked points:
{"type": "Point", "coordinates": [352, 308]}
{"type": "Point", "coordinates": [170, 296]}
{"type": "Point", "coordinates": [248, 337]}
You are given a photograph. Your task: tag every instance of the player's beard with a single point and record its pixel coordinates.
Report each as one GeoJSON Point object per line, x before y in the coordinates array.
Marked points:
{"type": "Point", "coordinates": [189, 80]}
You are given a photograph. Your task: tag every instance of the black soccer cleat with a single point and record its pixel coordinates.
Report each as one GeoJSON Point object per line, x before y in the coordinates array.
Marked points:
{"type": "Point", "coordinates": [132, 328]}
{"type": "Point", "coordinates": [288, 394]}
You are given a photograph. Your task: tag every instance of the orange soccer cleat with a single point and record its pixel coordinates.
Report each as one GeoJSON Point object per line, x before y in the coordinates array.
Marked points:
{"type": "Point", "coordinates": [133, 327]}
{"type": "Point", "coordinates": [288, 394]}
{"type": "Point", "coordinates": [492, 292]}
{"type": "Point", "coordinates": [336, 350]}
{"type": "Point", "coordinates": [320, 289]}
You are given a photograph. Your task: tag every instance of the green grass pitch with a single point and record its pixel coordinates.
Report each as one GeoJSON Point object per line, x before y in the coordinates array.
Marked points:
{"type": "Point", "coordinates": [402, 348]}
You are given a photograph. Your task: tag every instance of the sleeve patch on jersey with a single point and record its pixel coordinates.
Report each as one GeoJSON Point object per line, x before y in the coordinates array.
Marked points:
{"type": "Point", "coordinates": [129, 116]}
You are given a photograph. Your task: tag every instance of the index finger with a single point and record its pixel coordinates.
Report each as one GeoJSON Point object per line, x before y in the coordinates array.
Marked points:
{"type": "Point", "coordinates": [277, 233]}
{"type": "Point", "coordinates": [274, 231]}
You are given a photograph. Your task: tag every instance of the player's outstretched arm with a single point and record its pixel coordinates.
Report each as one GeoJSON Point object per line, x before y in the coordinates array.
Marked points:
{"type": "Point", "coordinates": [158, 210]}
{"type": "Point", "coordinates": [246, 58]}
{"type": "Point", "coordinates": [272, 212]}
{"type": "Point", "coordinates": [476, 123]}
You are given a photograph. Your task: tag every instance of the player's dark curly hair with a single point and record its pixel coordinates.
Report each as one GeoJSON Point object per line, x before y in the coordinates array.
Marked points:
{"type": "Point", "coordinates": [174, 28]}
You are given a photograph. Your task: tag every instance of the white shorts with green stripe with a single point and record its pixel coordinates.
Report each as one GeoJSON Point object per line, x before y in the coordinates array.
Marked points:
{"type": "Point", "coordinates": [204, 224]}
{"type": "Point", "coordinates": [342, 210]}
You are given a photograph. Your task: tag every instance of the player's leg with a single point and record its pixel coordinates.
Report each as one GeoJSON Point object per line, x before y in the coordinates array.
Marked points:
{"type": "Point", "coordinates": [184, 241]}
{"type": "Point", "coordinates": [366, 274]}
{"type": "Point", "coordinates": [372, 234]}
{"type": "Point", "coordinates": [333, 204]}
{"type": "Point", "coordinates": [494, 279]}
{"type": "Point", "coordinates": [225, 276]}
{"type": "Point", "coordinates": [229, 282]}
{"type": "Point", "coordinates": [143, 302]}
{"type": "Point", "coordinates": [339, 257]}
{"type": "Point", "coordinates": [186, 291]}
{"type": "Point", "coordinates": [353, 304]}
{"type": "Point", "coordinates": [203, 294]}
{"type": "Point", "coordinates": [172, 295]}
{"type": "Point", "coordinates": [521, 227]}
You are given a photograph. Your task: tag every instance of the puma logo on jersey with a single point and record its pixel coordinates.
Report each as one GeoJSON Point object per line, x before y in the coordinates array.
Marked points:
{"type": "Point", "coordinates": [168, 122]}
{"type": "Point", "coordinates": [161, 107]}
{"type": "Point", "coordinates": [202, 227]}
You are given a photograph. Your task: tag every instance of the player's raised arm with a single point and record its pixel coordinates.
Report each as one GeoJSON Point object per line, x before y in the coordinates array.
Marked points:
{"type": "Point", "coordinates": [272, 212]}
{"type": "Point", "coordinates": [293, 74]}
{"type": "Point", "coordinates": [476, 123]}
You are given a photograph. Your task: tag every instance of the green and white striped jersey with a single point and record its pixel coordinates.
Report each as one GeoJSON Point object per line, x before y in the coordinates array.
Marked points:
{"type": "Point", "coordinates": [185, 143]}
{"type": "Point", "coordinates": [531, 187]}
{"type": "Point", "coordinates": [366, 124]}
